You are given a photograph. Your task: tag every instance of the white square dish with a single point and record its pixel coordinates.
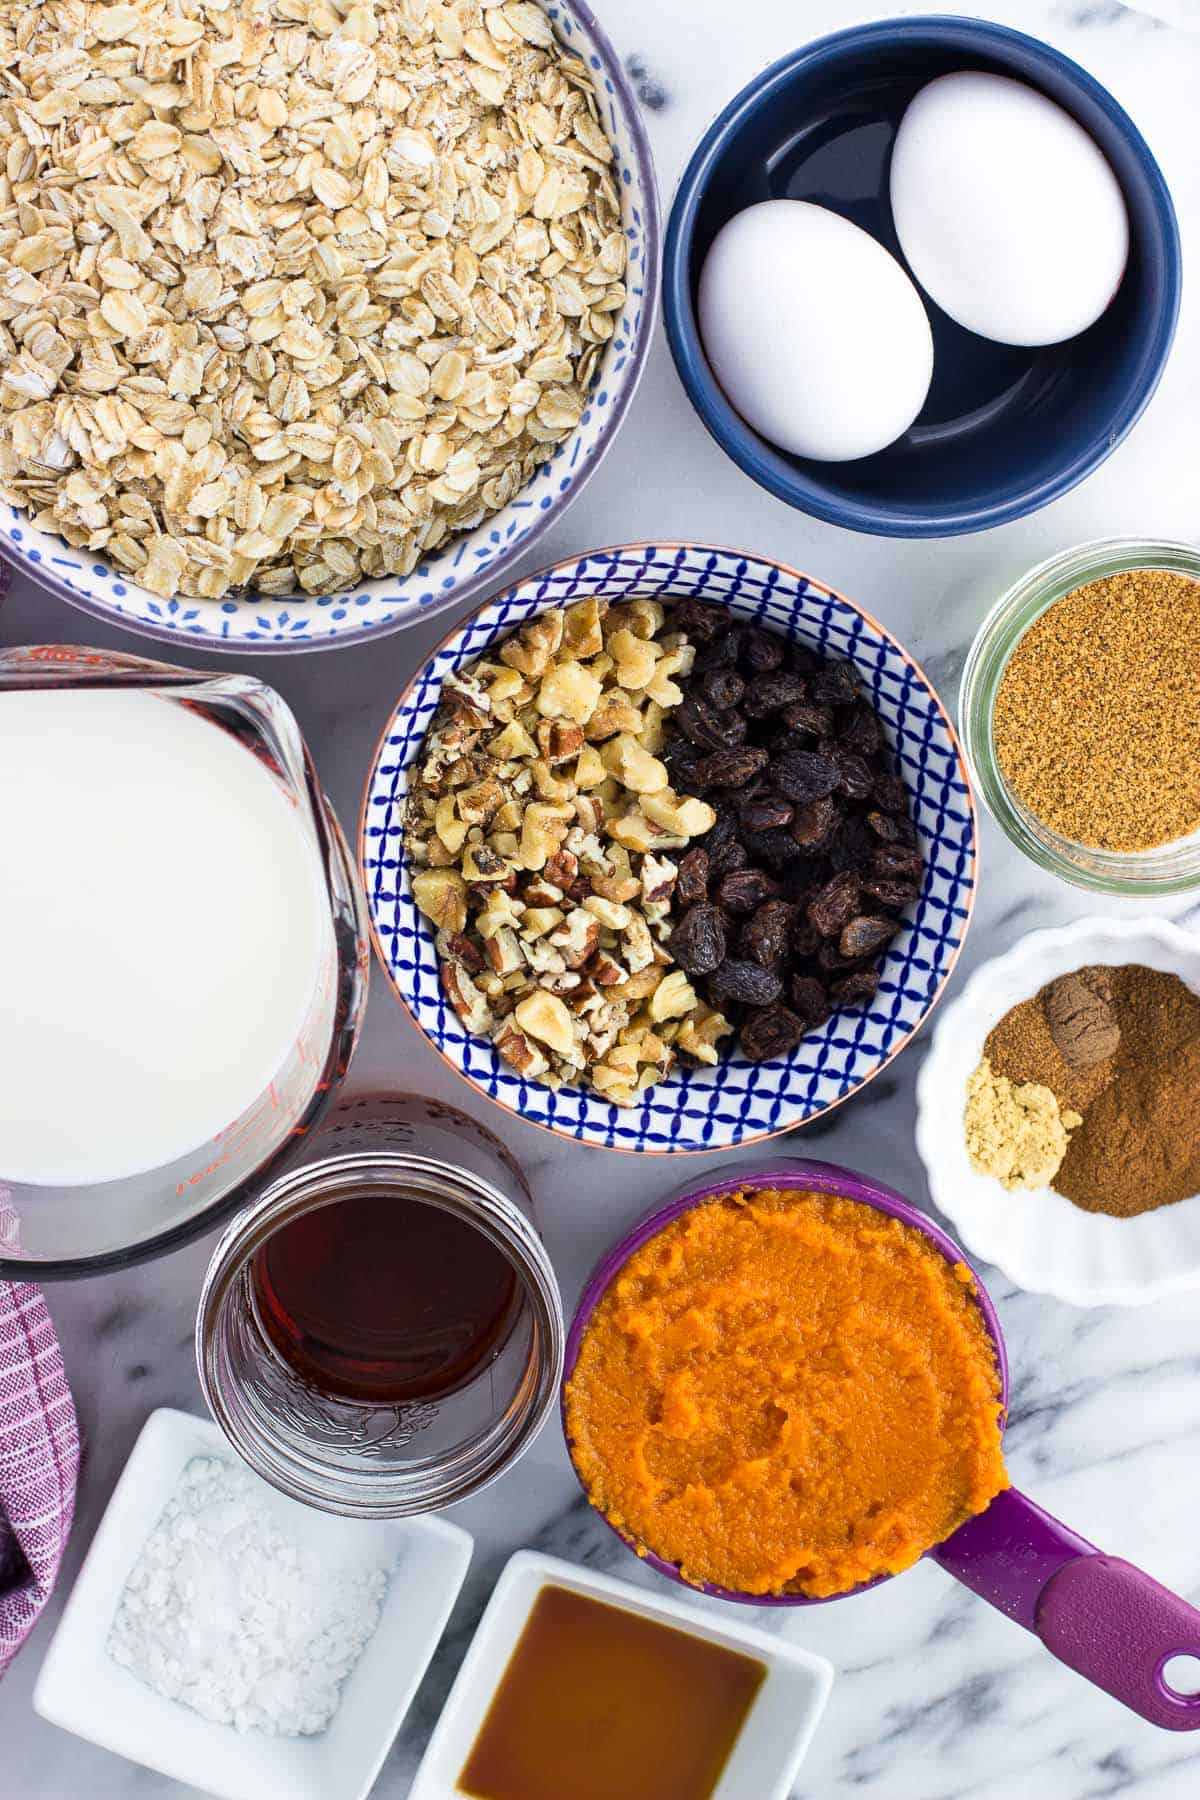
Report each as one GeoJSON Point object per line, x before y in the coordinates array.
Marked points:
{"type": "Point", "coordinates": [769, 1749]}
{"type": "Point", "coordinates": [82, 1689]}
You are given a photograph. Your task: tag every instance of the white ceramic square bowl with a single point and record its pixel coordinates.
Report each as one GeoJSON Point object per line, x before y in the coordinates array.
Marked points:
{"type": "Point", "coordinates": [770, 1748]}
{"type": "Point", "coordinates": [84, 1691]}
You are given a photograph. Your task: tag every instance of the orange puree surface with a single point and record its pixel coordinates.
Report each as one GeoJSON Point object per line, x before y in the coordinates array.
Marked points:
{"type": "Point", "coordinates": [787, 1391]}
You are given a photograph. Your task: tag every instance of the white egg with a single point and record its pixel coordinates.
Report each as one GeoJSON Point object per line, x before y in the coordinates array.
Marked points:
{"type": "Point", "coordinates": [816, 335]}
{"type": "Point", "coordinates": [1007, 211]}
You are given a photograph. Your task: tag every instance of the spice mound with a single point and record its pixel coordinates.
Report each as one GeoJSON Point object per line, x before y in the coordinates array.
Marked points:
{"type": "Point", "coordinates": [292, 294]}
{"type": "Point", "coordinates": [1015, 1132]}
{"type": "Point", "coordinates": [631, 848]}
{"type": "Point", "coordinates": [1097, 723]}
{"type": "Point", "coordinates": [1118, 1050]}
{"type": "Point", "coordinates": [787, 1392]}
{"type": "Point", "coordinates": [227, 1615]}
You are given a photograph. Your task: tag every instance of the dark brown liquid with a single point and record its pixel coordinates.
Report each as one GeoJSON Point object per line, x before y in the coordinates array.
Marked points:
{"type": "Point", "coordinates": [602, 1704]}
{"type": "Point", "coordinates": [384, 1298]}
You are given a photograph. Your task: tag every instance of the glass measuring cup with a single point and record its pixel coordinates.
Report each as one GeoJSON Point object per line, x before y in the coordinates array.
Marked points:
{"type": "Point", "coordinates": [1105, 1619]}
{"type": "Point", "coordinates": [50, 1232]}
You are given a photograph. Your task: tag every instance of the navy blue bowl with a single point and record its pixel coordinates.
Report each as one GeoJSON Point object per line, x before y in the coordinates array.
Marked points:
{"type": "Point", "coordinates": [1004, 430]}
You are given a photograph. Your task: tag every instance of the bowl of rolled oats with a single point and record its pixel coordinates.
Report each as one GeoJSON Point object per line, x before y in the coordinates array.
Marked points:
{"type": "Point", "coordinates": [668, 847]}
{"type": "Point", "coordinates": [314, 314]}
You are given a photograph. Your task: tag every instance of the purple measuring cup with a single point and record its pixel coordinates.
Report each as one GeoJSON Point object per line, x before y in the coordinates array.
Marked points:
{"type": "Point", "coordinates": [1105, 1619]}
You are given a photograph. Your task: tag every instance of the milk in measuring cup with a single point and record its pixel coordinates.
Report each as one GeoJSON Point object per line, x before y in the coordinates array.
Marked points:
{"type": "Point", "coordinates": [163, 925]}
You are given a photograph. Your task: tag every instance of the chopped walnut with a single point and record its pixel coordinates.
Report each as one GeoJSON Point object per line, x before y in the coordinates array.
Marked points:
{"type": "Point", "coordinates": [537, 827]}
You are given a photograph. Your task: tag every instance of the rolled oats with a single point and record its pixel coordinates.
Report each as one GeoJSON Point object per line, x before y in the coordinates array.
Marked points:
{"type": "Point", "coordinates": [539, 856]}
{"type": "Point", "coordinates": [292, 291]}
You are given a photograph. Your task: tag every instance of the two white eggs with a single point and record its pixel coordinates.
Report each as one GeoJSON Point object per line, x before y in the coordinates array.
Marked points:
{"type": "Point", "coordinates": [1009, 216]}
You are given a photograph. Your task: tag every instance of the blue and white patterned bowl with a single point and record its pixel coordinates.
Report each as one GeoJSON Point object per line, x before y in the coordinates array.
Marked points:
{"type": "Point", "coordinates": [738, 1101]}
{"type": "Point", "coordinates": [469, 565]}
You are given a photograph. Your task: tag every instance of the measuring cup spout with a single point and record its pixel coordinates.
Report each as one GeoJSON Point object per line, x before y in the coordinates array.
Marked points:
{"type": "Point", "coordinates": [1105, 1619]}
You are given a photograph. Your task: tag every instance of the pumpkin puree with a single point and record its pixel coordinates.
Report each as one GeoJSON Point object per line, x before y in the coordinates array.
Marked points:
{"type": "Point", "coordinates": [787, 1391]}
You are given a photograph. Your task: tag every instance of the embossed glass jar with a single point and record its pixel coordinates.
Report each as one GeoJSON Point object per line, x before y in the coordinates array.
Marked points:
{"type": "Point", "coordinates": [374, 1460]}
{"type": "Point", "coordinates": [1172, 868]}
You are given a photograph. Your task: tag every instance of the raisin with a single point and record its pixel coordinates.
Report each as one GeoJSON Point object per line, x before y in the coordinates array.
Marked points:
{"type": "Point", "coordinates": [866, 935]}
{"type": "Point", "coordinates": [773, 847]}
{"type": "Point", "coordinates": [722, 687]}
{"type": "Point", "coordinates": [762, 651]}
{"type": "Point", "coordinates": [721, 653]}
{"type": "Point", "coordinates": [807, 717]}
{"type": "Point", "coordinates": [744, 982]}
{"type": "Point", "coordinates": [765, 812]}
{"type": "Point", "coordinates": [814, 822]}
{"type": "Point", "coordinates": [742, 890]}
{"type": "Point", "coordinates": [834, 685]}
{"type": "Point", "coordinates": [681, 759]}
{"type": "Point", "coordinates": [856, 989]}
{"type": "Point", "coordinates": [691, 882]}
{"type": "Point", "coordinates": [890, 793]}
{"type": "Point", "coordinates": [830, 961]}
{"type": "Point", "coordinates": [701, 623]}
{"type": "Point", "coordinates": [726, 857]}
{"type": "Point", "coordinates": [802, 874]}
{"type": "Point", "coordinates": [884, 826]}
{"type": "Point", "coordinates": [730, 768]}
{"type": "Point", "coordinates": [890, 890]}
{"type": "Point", "coordinates": [767, 694]}
{"type": "Point", "coordinates": [855, 779]}
{"type": "Point", "coordinates": [802, 659]}
{"type": "Point", "coordinates": [894, 859]}
{"type": "Point", "coordinates": [809, 1000]}
{"type": "Point", "coordinates": [834, 905]}
{"type": "Point", "coordinates": [803, 776]}
{"type": "Point", "coordinates": [805, 937]}
{"type": "Point", "coordinates": [853, 846]}
{"type": "Point", "coordinates": [770, 1033]}
{"type": "Point", "coordinates": [764, 937]}
{"type": "Point", "coordinates": [698, 941]}
{"type": "Point", "coordinates": [725, 831]}
{"type": "Point", "coordinates": [859, 729]}
{"type": "Point", "coordinates": [703, 725]}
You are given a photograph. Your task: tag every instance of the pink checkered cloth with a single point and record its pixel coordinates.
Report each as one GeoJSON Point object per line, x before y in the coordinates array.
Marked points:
{"type": "Point", "coordinates": [39, 1462]}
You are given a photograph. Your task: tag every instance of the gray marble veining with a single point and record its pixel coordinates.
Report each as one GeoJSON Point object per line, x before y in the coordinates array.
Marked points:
{"type": "Point", "coordinates": [937, 1697]}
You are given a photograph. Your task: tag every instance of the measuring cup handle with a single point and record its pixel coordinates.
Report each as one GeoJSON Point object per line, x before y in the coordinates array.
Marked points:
{"type": "Point", "coordinates": [1105, 1619]}
{"type": "Point", "coordinates": [1118, 1627]}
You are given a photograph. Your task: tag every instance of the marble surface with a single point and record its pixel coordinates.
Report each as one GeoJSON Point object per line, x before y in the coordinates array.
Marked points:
{"type": "Point", "coordinates": [937, 1697]}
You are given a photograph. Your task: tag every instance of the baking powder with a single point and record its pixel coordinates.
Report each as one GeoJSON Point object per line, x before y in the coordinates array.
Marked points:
{"type": "Point", "coordinates": [226, 1614]}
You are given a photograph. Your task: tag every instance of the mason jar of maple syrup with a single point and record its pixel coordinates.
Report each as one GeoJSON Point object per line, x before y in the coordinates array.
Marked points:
{"type": "Point", "coordinates": [381, 1332]}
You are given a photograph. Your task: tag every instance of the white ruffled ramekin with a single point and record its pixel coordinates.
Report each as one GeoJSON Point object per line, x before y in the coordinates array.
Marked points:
{"type": "Point", "coordinates": [1038, 1239]}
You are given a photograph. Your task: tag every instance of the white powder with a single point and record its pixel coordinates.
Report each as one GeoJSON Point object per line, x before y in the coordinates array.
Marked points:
{"type": "Point", "coordinates": [225, 1614]}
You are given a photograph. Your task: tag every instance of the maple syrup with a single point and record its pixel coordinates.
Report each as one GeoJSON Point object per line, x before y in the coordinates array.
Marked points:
{"type": "Point", "coordinates": [383, 1298]}
{"type": "Point", "coordinates": [380, 1333]}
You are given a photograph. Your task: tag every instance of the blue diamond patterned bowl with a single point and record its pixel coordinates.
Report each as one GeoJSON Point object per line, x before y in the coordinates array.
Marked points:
{"type": "Point", "coordinates": [469, 565]}
{"type": "Point", "coordinates": [738, 1101]}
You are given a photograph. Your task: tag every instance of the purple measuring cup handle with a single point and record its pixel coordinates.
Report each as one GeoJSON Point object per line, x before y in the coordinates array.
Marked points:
{"type": "Point", "coordinates": [1108, 1621]}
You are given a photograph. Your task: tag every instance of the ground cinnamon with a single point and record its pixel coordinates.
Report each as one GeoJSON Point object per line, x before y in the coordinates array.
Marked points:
{"type": "Point", "coordinates": [1138, 1146]}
